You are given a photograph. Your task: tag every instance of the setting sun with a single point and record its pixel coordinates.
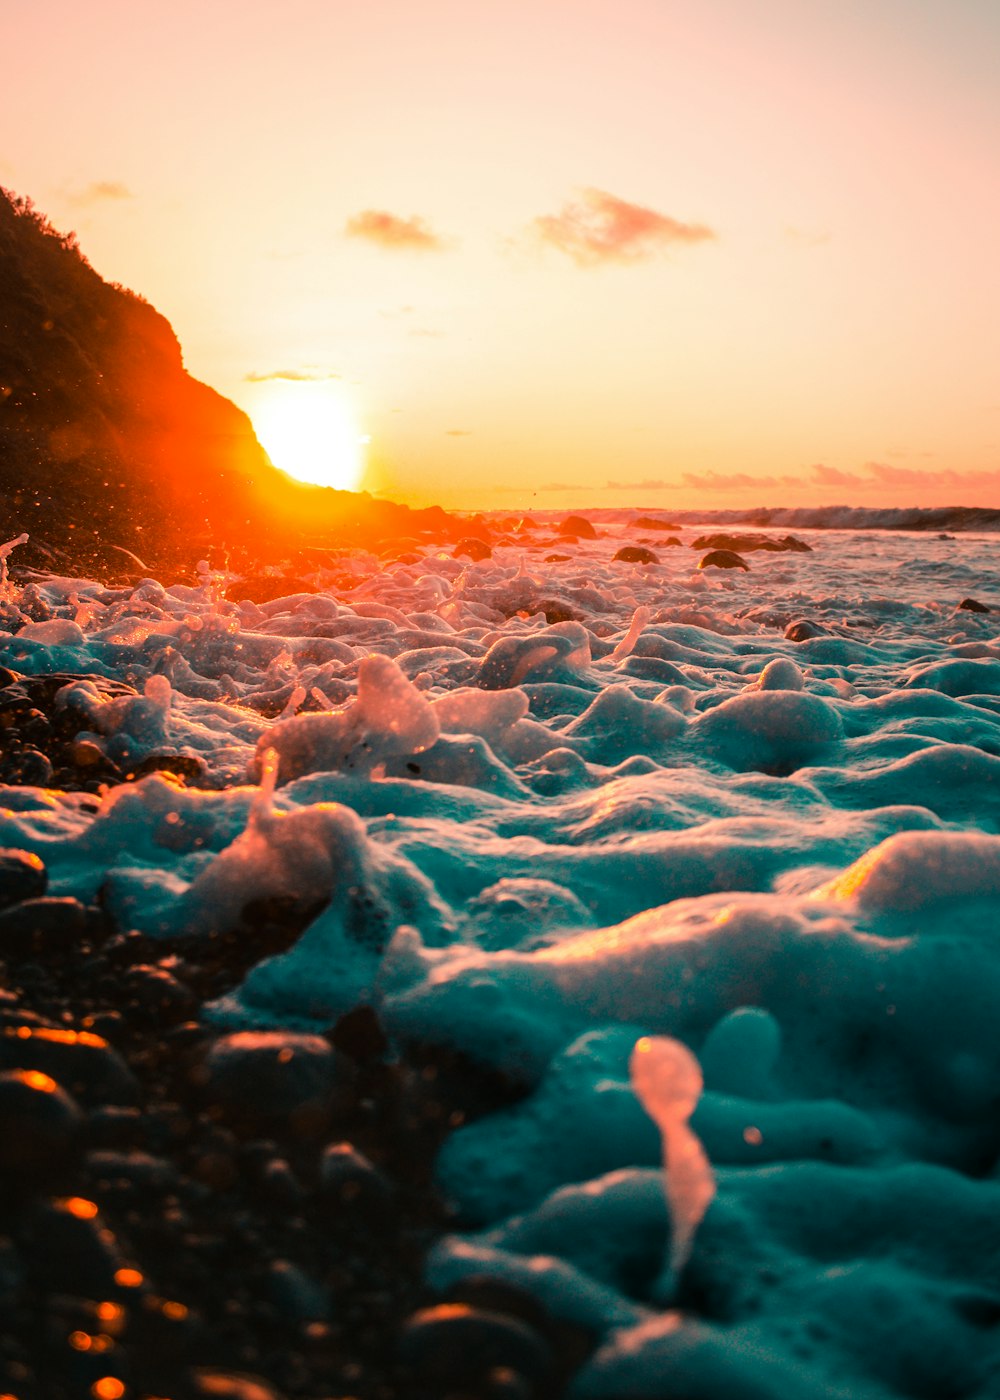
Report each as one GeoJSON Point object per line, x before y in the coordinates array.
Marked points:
{"type": "Point", "coordinates": [309, 430]}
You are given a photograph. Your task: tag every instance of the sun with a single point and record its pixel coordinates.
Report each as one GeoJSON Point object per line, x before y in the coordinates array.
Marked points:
{"type": "Point", "coordinates": [308, 428]}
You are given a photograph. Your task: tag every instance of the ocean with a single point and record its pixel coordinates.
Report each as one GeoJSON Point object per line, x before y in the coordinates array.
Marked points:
{"type": "Point", "coordinates": [550, 805]}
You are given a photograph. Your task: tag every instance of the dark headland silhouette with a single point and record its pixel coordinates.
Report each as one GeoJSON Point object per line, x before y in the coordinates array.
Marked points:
{"type": "Point", "coordinates": [107, 444]}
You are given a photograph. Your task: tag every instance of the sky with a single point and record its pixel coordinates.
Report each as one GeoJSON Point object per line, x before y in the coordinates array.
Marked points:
{"type": "Point", "coordinates": [551, 253]}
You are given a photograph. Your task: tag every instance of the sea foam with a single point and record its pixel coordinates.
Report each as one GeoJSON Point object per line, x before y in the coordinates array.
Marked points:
{"type": "Point", "coordinates": [539, 811]}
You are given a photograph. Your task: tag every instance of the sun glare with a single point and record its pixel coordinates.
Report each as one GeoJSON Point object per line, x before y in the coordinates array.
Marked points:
{"type": "Point", "coordinates": [310, 431]}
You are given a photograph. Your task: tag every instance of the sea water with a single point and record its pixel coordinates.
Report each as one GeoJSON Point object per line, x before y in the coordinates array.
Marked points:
{"type": "Point", "coordinates": [553, 806]}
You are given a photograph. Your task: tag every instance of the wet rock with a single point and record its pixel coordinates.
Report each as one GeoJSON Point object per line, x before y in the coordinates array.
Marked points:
{"type": "Point", "coordinates": [114, 1126]}
{"type": "Point", "coordinates": [974, 605]}
{"type": "Point", "coordinates": [130, 1172]}
{"type": "Point", "coordinates": [557, 558]}
{"type": "Point", "coordinates": [295, 1295]}
{"type": "Point", "coordinates": [579, 526]}
{"type": "Point", "coordinates": [82, 1062]}
{"type": "Point", "coordinates": [771, 543]}
{"type": "Point", "coordinates": [636, 554]}
{"type": "Point", "coordinates": [472, 549]}
{"type": "Point", "coordinates": [650, 522]}
{"type": "Point", "coordinates": [277, 1183]}
{"type": "Point", "coordinates": [271, 1078]}
{"type": "Point", "coordinates": [347, 1178]}
{"type": "Point", "coordinates": [27, 768]}
{"type": "Point", "coordinates": [22, 876]}
{"type": "Point", "coordinates": [43, 925]}
{"type": "Point", "coordinates": [154, 992]}
{"type": "Point", "coordinates": [722, 559]}
{"type": "Point", "coordinates": [802, 629]}
{"type": "Point", "coordinates": [39, 1123]}
{"type": "Point", "coordinates": [73, 1251]}
{"type": "Point", "coordinates": [458, 1345]}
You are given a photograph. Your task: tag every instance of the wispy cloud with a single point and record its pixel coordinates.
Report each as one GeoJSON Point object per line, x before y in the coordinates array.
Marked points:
{"type": "Point", "coordinates": [297, 375]}
{"type": "Point", "coordinates": [458, 432]}
{"type": "Point", "coordinates": [601, 228]}
{"type": "Point", "coordinates": [100, 191]}
{"type": "Point", "coordinates": [395, 233]}
{"type": "Point", "coordinates": [561, 486]}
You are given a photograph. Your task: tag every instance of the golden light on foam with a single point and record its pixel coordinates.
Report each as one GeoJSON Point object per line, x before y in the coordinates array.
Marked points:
{"type": "Point", "coordinates": [310, 430]}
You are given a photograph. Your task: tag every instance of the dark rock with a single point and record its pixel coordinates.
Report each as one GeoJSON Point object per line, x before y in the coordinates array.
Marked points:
{"type": "Point", "coordinates": [39, 1122]}
{"type": "Point", "coordinates": [771, 543]}
{"type": "Point", "coordinates": [472, 549]}
{"type": "Point", "coordinates": [348, 1179]}
{"type": "Point", "coordinates": [27, 768]}
{"type": "Point", "coordinates": [114, 1126]}
{"type": "Point", "coordinates": [81, 1061]}
{"type": "Point", "coordinates": [295, 1295]}
{"type": "Point", "coordinates": [278, 1183]}
{"type": "Point", "coordinates": [577, 525]}
{"type": "Point", "coordinates": [650, 522]}
{"type": "Point", "coordinates": [802, 629]}
{"type": "Point", "coordinates": [22, 876]}
{"type": "Point", "coordinates": [45, 925]}
{"type": "Point", "coordinates": [134, 1172]}
{"type": "Point", "coordinates": [722, 559]}
{"type": "Point", "coordinates": [974, 605]}
{"type": "Point", "coordinates": [153, 992]}
{"type": "Point", "coordinates": [557, 558]}
{"type": "Point", "coordinates": [261, 1078]}
{"type": "Point", "coordinates": [73, 1251]}
{"type": "Point", "coordinates": [636, 554]}
{"type": "Point", "coordinates": [457, 1345]}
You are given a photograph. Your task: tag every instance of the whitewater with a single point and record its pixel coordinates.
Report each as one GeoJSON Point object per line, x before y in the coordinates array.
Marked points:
{"type": "Point", "coordinates": [545, 804]}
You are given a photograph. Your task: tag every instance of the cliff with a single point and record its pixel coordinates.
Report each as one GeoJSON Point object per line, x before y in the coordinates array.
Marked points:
{"type": "Point", "coordinates": [108, 444]}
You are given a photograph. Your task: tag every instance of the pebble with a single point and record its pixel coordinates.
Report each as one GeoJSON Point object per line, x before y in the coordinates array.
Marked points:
{"type": "Point", "coordinates": [156, 993]}
{"type": "Point", "coordinates": [39, 1122]}
{"type": "Point", "coordinates": [295, 1295]}
{"type": "Point", "coordinates": [73, 1251]}
{"type": "Point", "coordinates": [130, 1171]}
{"type": "Point", "coordinates": [347, 1178]}
{"type": "Point", "coordinates": [472, 549]}
{"type": "Point", "coordinates": [723, 559]}
{"type": "Point", "coordinates": [455, 1344]}
{"type": "Point", "coordinates": [22, 876]}
{"type": "Point", "coordinates": [271, 1077]}
{"type": "Point", "coordinates": [27, 768]}
{"type": "Point", "coordinates": [636, 554]}
{"type": "Point", "coordinates": [81, 1061]}
{"type": "Point", "coordinates": [43, 925]}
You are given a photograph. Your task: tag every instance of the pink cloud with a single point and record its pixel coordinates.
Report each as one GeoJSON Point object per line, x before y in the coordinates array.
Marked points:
{"type": "Point", "coordinates": [390, 231]}
{"type": "Point", "coordinates": [601, 228]}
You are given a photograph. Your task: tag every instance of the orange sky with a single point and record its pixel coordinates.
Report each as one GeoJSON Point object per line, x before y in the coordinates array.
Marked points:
{"type": "Point", "coordinates": [556, 252]}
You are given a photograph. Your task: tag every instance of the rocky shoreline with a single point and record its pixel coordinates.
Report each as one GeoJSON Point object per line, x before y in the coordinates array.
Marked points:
{"type": "Point", "coordinates": [192, 1214]}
